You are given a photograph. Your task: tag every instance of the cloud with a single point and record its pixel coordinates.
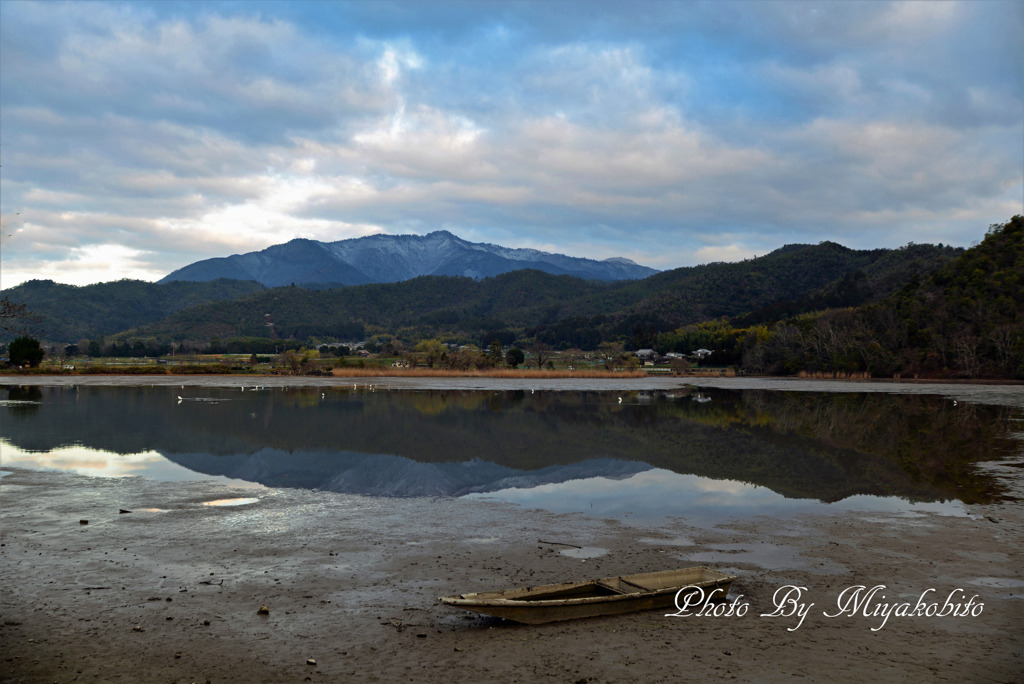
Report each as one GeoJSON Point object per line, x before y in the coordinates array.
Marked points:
{"type": "Point", "coordinates": [84, 265]}
{"type": "Point", "coordinates": [732, 252]}
{"type": "Point", "coordinates": [596, 129]}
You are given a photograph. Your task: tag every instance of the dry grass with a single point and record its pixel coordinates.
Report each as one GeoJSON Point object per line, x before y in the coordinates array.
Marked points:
{"type": "Point", "coordinates": [356, 372]}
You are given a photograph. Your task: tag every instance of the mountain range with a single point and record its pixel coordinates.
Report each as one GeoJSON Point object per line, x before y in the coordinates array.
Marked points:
{"type": "Point", "coordinates": [789, 280]}
{"type": "Point", "coordinates": [928, 310]}
{"type": "Point", "coordinates": [393, 259]}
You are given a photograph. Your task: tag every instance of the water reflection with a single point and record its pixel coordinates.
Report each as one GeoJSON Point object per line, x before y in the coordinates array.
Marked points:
{"type": "Point", "coordinates": [659, 493]}
{"type": "Point", "coordinates": [746, 451]}
{"type": "Point", "coordinates": [95, 462]}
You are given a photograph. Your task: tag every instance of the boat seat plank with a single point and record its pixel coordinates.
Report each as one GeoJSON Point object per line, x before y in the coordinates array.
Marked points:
{"type": "Point", "coordinates": [617, 590]}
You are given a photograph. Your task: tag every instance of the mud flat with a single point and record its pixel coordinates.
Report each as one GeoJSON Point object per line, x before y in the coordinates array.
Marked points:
{"type": "Point", "coordinates": [172, 590]}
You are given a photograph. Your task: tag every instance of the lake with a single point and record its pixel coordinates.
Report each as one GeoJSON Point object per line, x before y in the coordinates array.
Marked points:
{"type": "Point", "coordinates": [653, 450]}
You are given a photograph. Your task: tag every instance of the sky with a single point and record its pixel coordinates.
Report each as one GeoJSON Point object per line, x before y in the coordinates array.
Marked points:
{"type": "Point", "coordinates": [137, 138]}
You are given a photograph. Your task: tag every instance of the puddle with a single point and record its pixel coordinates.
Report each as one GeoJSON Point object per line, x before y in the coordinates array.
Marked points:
{"type": "Point", "coordinates": [678, 541]}
{"type": "Point", "coordinates": [584, 552]}
{"type": "Point", "coordinates": [149, 510]}
{"type": "Point", "coordinates": [768, 556]}
{"type": "Point", "coordinates": [242, 501]}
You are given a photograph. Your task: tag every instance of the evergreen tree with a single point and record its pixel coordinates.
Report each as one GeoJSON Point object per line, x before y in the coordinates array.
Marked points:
{"type": "Point", "coordinates": [25, 351]}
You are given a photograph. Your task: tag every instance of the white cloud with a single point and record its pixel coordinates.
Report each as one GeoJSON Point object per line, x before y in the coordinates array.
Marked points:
{"type": "Point", "coordinates": [84, 265]}
{"type": "Point", "coordinates": [732, 252]}
{"type": "Point", "coordinates": [203, 133]}
{"type": "Point", "coordinates": [268, 219]}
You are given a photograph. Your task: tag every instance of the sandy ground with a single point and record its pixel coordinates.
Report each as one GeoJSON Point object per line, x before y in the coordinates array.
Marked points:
{"type": "Point", "coordinates": [170, 592]}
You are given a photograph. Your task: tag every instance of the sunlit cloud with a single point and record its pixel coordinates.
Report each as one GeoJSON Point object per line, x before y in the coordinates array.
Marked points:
{"type": "Point", "coordinates": [99, 463]}
{"type": "Point", "coordinates": [200, 131]}
{"type": "Point", "coordinates": [85, 265]}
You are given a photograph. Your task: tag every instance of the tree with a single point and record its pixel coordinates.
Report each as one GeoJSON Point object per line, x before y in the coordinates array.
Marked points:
{"type": "Point", "coordinates": [679, 365]}
{"type": "Point", "coordinates": [460, 359]}
{"type": "Point", "coordinates": [290, 359]}
{"type": "Point", "coordinates": [495, 352]}
{"type": "Point", "coordinates": [16, 318]}
{"type": "Point", "coordinates": [541, 352]}
{"type": "Point", "coordinates": [25, 351]}
{"type": "Point", "coordinates": [433, 351]}
{"type": "Point", "coordinates": [514, 357]}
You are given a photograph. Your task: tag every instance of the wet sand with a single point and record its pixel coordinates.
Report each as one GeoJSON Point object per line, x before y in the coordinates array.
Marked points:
{"type": "Point", "coordinates": [171, 591]}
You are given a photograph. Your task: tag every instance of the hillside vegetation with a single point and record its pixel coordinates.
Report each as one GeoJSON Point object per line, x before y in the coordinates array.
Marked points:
{"type": "Point", "coordinates": [70, 313]}
{"type": "Point", "coordinates": [561, 311]}
{"type": "Point", "coordinates": [919, 310]}
{"type": "Point", "coordinates": [964, 319]}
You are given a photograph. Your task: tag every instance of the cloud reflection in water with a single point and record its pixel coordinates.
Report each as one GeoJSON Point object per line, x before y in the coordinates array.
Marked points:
{"type": "Point", "coordinates": [659, 493]}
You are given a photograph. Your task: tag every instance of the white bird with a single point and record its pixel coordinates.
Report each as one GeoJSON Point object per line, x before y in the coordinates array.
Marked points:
{"type": "Point", "coordinates": [620, 400]}
{"type": "Point", "coordinates": [179, 399]}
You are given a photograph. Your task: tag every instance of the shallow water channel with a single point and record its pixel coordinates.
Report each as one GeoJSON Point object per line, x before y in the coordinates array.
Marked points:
{"type": "Point", "coordinates": [701, 453]}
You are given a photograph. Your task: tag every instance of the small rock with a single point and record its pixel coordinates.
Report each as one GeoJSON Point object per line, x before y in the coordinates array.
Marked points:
{"type": "Point", "coordinates": [206, 622]}
{"type": "Point", "coordinates": [264, 610]}
{"type": "Point", "coordinates": [124, 511]}
{"type": "Point", "coordinates": [83, 522]}
{"type": "Point", "coordinates": [310, 661]}
{"type": "Point", "coordinates": [422, 635]}
{"type": "Point", "coordinates": [138, 628]}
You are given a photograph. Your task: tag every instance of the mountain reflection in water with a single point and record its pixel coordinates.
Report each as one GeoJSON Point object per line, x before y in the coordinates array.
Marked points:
{"type": "Point", "coordinates": [817, 446]}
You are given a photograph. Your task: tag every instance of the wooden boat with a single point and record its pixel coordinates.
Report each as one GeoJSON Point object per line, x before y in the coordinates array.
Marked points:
{"type": "Point", "coordinates": [608, 596]}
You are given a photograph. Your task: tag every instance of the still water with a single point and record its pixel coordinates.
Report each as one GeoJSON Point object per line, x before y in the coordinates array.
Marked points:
{"type": "Point", "coordinates": [705, 453]}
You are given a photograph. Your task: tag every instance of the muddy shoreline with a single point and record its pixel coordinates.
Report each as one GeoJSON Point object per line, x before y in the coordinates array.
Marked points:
{"type": "Point", "coordinates": [171, 591]}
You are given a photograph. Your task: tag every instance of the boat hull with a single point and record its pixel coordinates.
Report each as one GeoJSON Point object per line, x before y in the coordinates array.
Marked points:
{"type": "Point", "coordinates": [593, 598]}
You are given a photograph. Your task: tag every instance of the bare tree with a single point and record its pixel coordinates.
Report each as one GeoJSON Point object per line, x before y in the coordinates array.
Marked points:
{"type": "Point", "coordinates": [17, 319]}
{"type": "Point", "coordinates": [1004, 339]}
{"type": "Point", "coordinates": [966, 347]}
{"type": "Point", "coordinates": [541, 352]}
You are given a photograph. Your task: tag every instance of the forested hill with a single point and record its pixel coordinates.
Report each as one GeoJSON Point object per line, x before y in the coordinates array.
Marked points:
{"type": "Point", "coordinates": [965, 319]}
{"type": "Point", "coordinates": [807, 277]}
{"type": "Point", "coordinates": [969, 314]}
{"type": "Point", "coordinates": [559, 310]}
{"type": "Point", "coordinates": [71, 312]}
